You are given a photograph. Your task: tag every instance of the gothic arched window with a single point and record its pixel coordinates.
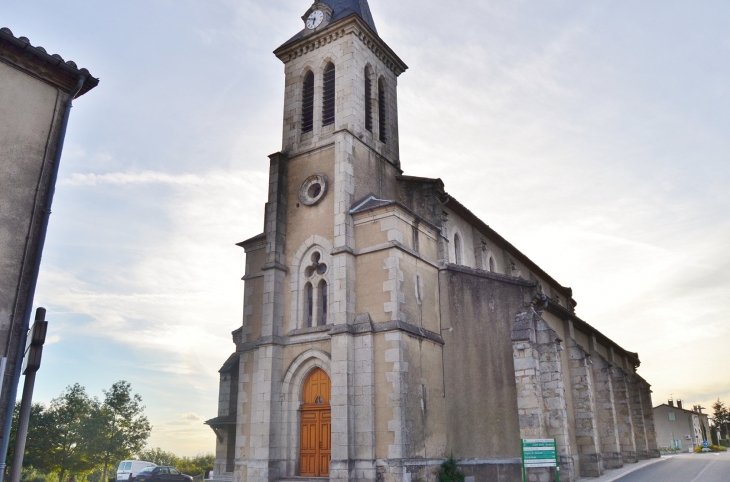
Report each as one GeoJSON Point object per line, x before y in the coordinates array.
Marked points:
{"type": "Point", "coordinates": [382, 114]}
{"type": "Point", "coordinates": [328, 97]}
{"type": "Point", "coordinates": [308, 304]}
{"type": "Point", "coordinates": [315, 303]}
{"type": "Point", "coordinates": [368, 100]}
{"type": "Point", "coordinates": [308, 103]}
{"type": "Point", "coordinates": [322, 315]}
{"type": "Point", "coordinates": [457, 249]}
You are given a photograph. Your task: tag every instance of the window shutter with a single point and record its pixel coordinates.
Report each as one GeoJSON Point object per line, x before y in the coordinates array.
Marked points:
{"type": "Point", "coordinates": [308, 103]}
{"type": "Point", "coordinates": [328, 104]}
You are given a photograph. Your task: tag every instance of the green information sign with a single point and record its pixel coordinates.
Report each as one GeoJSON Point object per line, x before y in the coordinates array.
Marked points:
{"type": "Point", "coordinates": [539, 453]}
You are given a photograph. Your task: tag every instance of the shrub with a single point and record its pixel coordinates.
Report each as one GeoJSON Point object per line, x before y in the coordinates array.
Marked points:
{"type": "Point", "coordinates": [450, 472]}
{"type": "Point", "coordinates": [724, 443]}
{"type": "Point", "coordinates": [711, 448]}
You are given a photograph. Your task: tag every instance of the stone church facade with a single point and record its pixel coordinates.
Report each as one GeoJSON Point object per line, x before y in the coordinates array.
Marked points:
{"type": "Point", "coordinates": [385, 326]}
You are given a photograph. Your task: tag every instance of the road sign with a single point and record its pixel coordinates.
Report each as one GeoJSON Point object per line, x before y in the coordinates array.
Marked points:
{"type": "Point", "coordinates": [539, 453]}
{"type": "Point", "coordinates": [705, 444]}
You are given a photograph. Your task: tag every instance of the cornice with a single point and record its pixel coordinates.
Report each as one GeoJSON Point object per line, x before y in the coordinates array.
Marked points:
{"type": "Point", "coordinates": [352, 25]}
{"type": "Point", "coordinates": [36, 62]}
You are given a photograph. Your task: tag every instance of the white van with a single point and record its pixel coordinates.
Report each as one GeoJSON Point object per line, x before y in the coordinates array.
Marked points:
{"type": "Point", "coordinates": [129, 469]}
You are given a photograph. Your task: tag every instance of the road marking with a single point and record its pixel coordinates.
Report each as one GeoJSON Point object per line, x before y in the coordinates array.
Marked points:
{"type": "Point", "coordinates": [703, 471]}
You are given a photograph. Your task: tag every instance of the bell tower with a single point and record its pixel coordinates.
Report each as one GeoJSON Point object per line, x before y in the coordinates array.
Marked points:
{"type": "Point", "coordinates": [342, 34]}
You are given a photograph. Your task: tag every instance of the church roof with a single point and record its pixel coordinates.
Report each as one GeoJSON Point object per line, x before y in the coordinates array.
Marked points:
{"type": "Point", "coordinates": [342, 9]}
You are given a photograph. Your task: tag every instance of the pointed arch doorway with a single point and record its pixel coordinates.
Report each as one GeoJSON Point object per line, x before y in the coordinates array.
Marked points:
{"type": "Point", "coordinates": [316, 429]}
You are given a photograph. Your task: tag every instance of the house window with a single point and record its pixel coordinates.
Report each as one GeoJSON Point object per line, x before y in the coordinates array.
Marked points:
{"type": "Point", "coordinates": [308, 103]}
{"type": "Point", "coordinates": [328, 97]}
{"type": "Point", "coordinates": [457, 249]}
{"type": "Point", "coordinates": [382, 114]}
{"type": "Point", "coordinates": [368, 100]}
{"type": "Point", "coordinates": [492, 266]}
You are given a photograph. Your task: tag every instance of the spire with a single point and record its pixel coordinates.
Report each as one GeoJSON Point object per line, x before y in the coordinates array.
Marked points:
{"type": "Point", "coordinates": [343, 8]}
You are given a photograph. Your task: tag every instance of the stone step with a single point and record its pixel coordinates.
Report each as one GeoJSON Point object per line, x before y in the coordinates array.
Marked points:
{"type": "Point", "coordinates": [303, 479]}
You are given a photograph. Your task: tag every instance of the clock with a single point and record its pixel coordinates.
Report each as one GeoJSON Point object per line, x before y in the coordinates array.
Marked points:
{"type": "Point", "coordinates": [315, 18]}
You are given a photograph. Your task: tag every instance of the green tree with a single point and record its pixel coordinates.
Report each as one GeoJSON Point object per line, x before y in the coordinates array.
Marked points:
{"type": "Point", "coordinates": [42, 432]}
{"type": "Point", "coordinates": [119, 426]}
{"type": "Point", "coordinates": [71, 415]}
{"type": "Point", "coordinates": [158, 457]}
{"type": "Point", "coordinates": [721, 417]}
{"type": "Point", "coordinates": [196, 465]}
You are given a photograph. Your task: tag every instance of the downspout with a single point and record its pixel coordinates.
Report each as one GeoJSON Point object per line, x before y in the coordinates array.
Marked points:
{"type": "Point", "coordinates": [34, 280]}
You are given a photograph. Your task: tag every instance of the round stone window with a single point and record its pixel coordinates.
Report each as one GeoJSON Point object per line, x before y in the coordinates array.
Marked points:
{"type": "Point", "coordinates": [313, 189]}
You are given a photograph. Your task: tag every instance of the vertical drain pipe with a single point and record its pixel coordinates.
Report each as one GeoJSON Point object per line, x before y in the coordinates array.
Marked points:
{"type": "Point", "coordinates": [34, 280]}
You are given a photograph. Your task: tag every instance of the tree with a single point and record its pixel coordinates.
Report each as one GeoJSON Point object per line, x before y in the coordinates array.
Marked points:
{"type": "Point", "coordinates": [42, 432]}
{"type": "Point", "coordinates": [119, 425]}
{"type": "Point", "coordinates": [196, 465]}
{"type": "Point", "coordinates": [71, 415]}
{"type": "Point", "coordinates": [721, 417]}
{"type": "Point", "coordinates": [158, 457]}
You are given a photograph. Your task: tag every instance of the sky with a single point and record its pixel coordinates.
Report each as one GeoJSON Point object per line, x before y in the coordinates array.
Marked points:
{"type": "Point", "coordinates": [591, 135]}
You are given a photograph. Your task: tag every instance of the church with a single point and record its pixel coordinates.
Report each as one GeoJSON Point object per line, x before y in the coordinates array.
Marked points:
{"type": "Point", "coordinates": [387, 328]}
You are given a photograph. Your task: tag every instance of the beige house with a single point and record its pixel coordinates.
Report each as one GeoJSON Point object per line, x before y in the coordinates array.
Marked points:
{"type": "Point", "coordinates": [36, 90]}
{"type": "Point", "coordinates": [385, 326]}
{"type": "Point", "coordinates": [679, 428]}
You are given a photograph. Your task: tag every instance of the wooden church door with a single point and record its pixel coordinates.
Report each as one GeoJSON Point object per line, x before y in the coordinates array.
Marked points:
{"type": "Point", "coordinates": [316, 446]}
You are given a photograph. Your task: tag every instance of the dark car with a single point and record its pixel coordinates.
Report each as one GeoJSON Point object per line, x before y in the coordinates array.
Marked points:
{"type": "Point", "coordinates": [162, 474]}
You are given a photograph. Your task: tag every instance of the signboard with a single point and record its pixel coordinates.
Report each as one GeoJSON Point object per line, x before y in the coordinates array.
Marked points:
{"type": "Point", "coordinates": [539, 453]}
{"type": "Point", "coordinates": [705, 444]}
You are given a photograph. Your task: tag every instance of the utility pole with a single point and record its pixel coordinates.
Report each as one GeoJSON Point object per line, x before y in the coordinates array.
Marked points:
{"type": "Point", "coordinates": [33, 353]}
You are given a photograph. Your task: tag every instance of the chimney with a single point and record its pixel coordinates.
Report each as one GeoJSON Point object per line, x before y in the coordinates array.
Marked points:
{"type": "Point", "coordinates": [670, 402]}
{"type": "Point", "coordinates": [679, 404]}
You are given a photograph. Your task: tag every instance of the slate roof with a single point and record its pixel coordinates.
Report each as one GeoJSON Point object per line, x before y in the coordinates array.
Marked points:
{"type": "Point", "coordinates": [343, 9]}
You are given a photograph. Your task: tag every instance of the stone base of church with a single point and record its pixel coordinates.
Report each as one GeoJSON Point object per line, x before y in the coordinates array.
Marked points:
{"type": "Point", "coordinates": [612, 460]}
{"type": "Point", "coordinates": [629, 457]}
{"type": "Point", "coordinates": [591, 465]}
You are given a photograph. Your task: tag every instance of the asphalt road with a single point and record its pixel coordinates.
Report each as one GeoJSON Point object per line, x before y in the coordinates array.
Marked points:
{"type": "Point", "coordinates": [685, 468]}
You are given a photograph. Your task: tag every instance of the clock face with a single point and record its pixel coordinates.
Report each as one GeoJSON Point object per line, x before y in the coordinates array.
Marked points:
{"type": "Point", "coordinates": [314, 19]}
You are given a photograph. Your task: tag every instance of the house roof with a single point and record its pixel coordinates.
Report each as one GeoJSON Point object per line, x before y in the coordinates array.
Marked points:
{"type": "Point", "coordinates": [50, 67]}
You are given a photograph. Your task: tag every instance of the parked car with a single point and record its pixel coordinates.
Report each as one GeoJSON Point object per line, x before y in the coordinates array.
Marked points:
{"type": "Point", "coordinates": [129, 469]}
{"type": "Point", "coordinates": [162, 474]}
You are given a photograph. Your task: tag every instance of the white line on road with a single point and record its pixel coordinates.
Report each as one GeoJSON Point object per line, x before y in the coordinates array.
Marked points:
{"type": "Point", "coordinates": [703, 471]}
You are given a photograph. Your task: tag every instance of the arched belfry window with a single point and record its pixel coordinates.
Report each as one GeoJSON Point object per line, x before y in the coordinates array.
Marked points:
{"type": "Point", "coordinates": [382, 112]}
{"type": "Point", "coordinates": [308, 103]}
{"type": "Point", "coordinates": [328, 96]}
{"type": "Point", "coordinates": [457, 249]}
{"type": "Point", "coordinates": [368, 100]}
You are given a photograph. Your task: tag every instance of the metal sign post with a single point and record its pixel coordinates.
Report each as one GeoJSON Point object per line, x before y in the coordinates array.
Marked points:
{"type": "Point", "coordinates": [31, 364]}
{"type": "Point", "coordinates": [540, 453]}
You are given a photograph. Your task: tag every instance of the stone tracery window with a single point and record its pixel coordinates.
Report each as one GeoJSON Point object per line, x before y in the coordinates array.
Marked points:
{"type": "Point", "coordinates": [315, 306]}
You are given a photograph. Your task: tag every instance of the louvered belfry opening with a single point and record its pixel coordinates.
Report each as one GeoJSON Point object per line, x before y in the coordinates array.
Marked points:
{"type": "Point", "coordinates": [328, 97]}
{"type": "Point", "coordinates": [381, 112]}
{"type": "Point", "coordinates": [368, 101]}
{"type": "Point", "coordinates": [308, 103]}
